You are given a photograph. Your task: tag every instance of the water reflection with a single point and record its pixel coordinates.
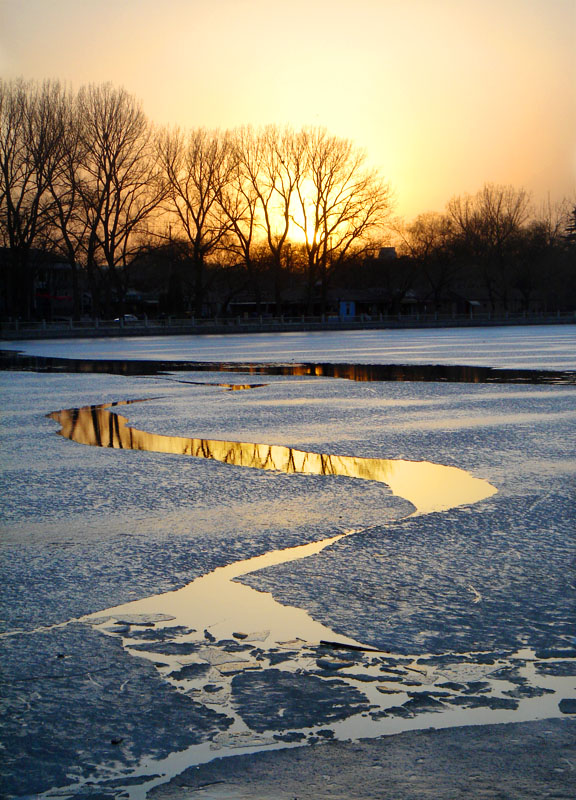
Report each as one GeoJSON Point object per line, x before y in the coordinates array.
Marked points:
{"type": "Point", "coordinates": [232, 387]}
{"type": "Point", "coordinates": [429, 487]}
{"type": "Point", "coordinates": [13, 360]}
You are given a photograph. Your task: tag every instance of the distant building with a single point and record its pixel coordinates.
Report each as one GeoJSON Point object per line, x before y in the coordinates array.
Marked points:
{"type": "Point", "coordinates": [53, 290]}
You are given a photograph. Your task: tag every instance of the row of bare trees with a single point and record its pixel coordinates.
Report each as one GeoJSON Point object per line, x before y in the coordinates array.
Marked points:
{"type": "Point", "coordinates": [496, 244]}
{"type": "Point", "coordinates": [78, 178]}
{"type": "Point", "coordinates": [86, 176]}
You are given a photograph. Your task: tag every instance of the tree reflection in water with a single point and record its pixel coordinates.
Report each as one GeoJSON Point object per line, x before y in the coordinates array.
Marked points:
{"type": "Point", "coordinates": [429, 487]}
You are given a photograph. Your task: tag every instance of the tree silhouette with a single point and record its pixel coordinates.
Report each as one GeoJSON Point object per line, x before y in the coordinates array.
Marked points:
{"type": "Point", "coordinates": [486, 227]}
{"type": "Point", "coordinates": [196, 168]}
{"type": "Point", "coordinates": [341, 204]}
{"type": "Point", "coordinates": [118, 182]}
{"type": "Point", "coordinates": [30, 154]}
{"type": "Point", "coordinates": [428, 241]}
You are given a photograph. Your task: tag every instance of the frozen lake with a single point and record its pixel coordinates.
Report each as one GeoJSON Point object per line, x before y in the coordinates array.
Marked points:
{"type": "Point", "coordinates": [549, 347]}
{"type": "Point", "coordinates": [168, 581]}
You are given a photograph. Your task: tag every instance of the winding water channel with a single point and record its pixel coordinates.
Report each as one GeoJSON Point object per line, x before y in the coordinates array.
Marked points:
{"type": "Point", "coordinates": [429, 487]}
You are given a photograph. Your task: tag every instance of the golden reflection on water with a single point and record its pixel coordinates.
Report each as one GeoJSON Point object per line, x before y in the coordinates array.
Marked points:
{"type": "Point", "coordinates": [429, 487]}
{"type": "Point", "coordinates": [444, 373]}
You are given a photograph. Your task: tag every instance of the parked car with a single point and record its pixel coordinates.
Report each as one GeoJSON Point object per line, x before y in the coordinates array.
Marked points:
{"type": "Point", "coordinates": [127, 318]}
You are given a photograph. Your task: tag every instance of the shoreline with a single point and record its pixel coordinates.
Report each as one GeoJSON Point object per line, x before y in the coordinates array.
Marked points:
{"type": "Point", "coordinates": [17, 331]}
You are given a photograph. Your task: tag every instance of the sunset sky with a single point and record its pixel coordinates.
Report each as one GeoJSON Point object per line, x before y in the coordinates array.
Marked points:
{"type": "Point", "coordinates": [444, 95]}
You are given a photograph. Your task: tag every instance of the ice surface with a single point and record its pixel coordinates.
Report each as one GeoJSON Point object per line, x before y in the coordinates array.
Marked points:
{"type": "Point", "coordinates": [88, 529]}
{"type": "Point", "coordinates": [526, 347]}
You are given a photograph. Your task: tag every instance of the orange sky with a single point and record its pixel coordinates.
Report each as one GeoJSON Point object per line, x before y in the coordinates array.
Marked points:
{"type": "Point", "coordinates": [443, 94]}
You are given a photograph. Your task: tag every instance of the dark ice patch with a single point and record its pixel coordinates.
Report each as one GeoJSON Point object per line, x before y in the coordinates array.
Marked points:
{"type": "Point", "coordinates": [159, 634]}
{"type": "Point", "coordinates": [112, 707]}
{"type": "Point", "coordinates": [481, 701]}
{"type": "Point", "coordinates": [168, 648]}
{"type": "Point", "coordinates": [291, 736]}
{"type": "Point", "coordinates": [230, 646]}
{"type": "Point", "coordinates": [275, 700]}
{"type": "Point", "coordinates": [191, 671]}
{"type": "Point", "coordinates": [363, 677]}
{"type": "Point", "coordinates": [422, 701]}
{"type": "Point", "coordinates": [280, 657]}
{"type": "Point", "coordinates": [510, 674]}
{"type": "Point", "coordinates": [476, 687]}
{"type": "Point", "coordinates": [394, 711]}
{"type": "Point", "coordinates": [526, 690]}
{"type": "Point", "coordinates": [557, 669]}
{"type": "Point", "coordinates": [556, 652]}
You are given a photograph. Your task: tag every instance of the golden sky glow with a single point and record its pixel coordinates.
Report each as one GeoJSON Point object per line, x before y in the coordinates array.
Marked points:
{"type": "Point", "coordinates": [444, 95]}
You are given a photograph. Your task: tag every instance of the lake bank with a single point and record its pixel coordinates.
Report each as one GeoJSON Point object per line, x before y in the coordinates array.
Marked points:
{"type": "Point", "coordinates": [69, 329]}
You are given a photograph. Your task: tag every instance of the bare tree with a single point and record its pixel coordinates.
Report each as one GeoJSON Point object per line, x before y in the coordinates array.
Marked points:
{"type": "Point", "coordinates": [341, 205]}
{"type": "Point", "coordinates": [543, 273]}
{"type": "Point", "coordinates": [239, 200]}
{"type": "Point", "coordinates": [570, 225]}
{"type": "Point", "coordinates": [69, 225]}
{"type": "Point", "coordinates": [427, 240]}
{"type": "Point", "coordinates": [30, 152]}
{"type": "Point", "coordinates": [486, 225]}
{"type": "Point", "coordinates": [271, 163]}
{"type": "Point", "coordinates": [118, 184]}
{"type": "Point", "coordinates": [196, 167]}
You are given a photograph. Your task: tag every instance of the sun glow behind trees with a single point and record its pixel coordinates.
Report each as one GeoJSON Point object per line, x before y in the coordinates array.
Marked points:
{"type": "Point", "coordinates": [443, 95]}
{"type": "Point", "coordinates": [270, 188]}
{"type": "Point", "coordinates": [90, 178]}
{"type": "Point", "coordinates": [87, 180]}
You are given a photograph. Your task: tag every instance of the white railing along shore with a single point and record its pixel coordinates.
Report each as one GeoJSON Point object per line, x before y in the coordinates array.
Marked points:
{"type": "Point", "coordinates": [64, 328]}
